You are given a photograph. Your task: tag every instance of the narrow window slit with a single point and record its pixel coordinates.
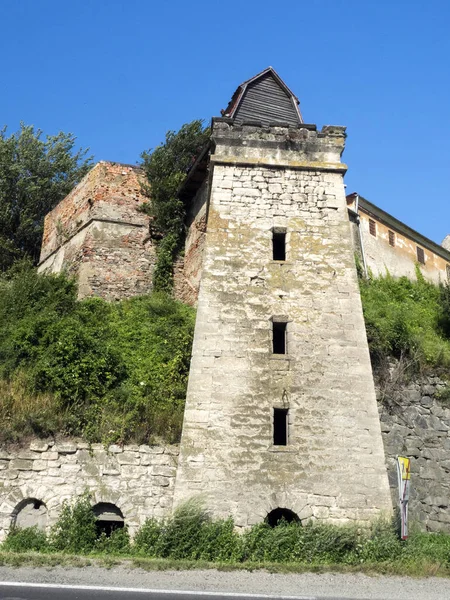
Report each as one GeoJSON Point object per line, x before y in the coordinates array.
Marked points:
{"type": "Point", "coordinates": [279, 244]}
{"type": "Point", "coordinates": [279, 337]}
{"type": "Point", "coordinates": [420, 255]}
{"type": "Point", "coordinates": [280, 426]}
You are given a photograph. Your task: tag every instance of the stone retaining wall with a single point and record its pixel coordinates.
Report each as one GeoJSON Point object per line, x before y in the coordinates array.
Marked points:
{"type": "Point", "coordinates": [415, 422]}
{"type": "Point", "coordinates": [139, 480]}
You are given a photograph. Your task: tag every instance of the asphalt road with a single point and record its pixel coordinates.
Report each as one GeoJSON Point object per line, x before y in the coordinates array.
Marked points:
{"type": "Point", "coordinates": [27, 591]}
{"type": "Point", "coordinates": [124, 583]}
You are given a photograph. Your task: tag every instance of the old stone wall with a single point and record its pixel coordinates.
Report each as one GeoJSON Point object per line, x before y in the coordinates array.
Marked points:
{"type": "Point", "coordinates": [99, 235]}
{"type": "Point", "coordinates": [332, 467]}
{"type": "Point", "coordinates": [188, 269]}
{"type": "Point", "coordinates": [415, 421]}
{"type": "Point", "coordinates": [34, 482]}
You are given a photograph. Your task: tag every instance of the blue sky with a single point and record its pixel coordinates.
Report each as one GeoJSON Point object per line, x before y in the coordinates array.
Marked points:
{"type": "Point", "coordinates": [119, 74]}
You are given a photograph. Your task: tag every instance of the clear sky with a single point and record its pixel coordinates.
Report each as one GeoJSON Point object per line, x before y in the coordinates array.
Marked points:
{"type": "Point", "coordinates": [120, 73]}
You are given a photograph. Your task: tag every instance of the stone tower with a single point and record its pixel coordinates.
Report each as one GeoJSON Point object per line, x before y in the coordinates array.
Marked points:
{"type": "Point", "coordinates": [281, 410]}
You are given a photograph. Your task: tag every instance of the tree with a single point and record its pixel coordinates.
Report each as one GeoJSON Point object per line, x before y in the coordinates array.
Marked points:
{"type": "Point", "coordinates": [35, 174]}
{"type": "Point", "coordinates": [166, 168]}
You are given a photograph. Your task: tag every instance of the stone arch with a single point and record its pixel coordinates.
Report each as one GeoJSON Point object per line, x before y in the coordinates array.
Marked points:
{"type": "Point", "coordinates": [30, 512]}
{"type": "Point", "coordinates": [277, 514]}
{"type": "Point", "coordinates": [109, 518]}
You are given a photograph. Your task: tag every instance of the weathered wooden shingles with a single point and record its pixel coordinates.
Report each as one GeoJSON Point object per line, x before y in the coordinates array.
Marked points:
{"type": "Point", "coordinates": [264, 100]}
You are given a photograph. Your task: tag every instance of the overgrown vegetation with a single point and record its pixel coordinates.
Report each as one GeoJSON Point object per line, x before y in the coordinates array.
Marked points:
{"type": "Point", "coordinates": [109, 372]}
{"type": "Point", "coordinates": [166, 168]}
{"type": "Point", "coordinates": [190, 535]}
{"type": "Point", "coordinates": [35, 174]}
{"type": "Point", "coordinates": [407, 319]}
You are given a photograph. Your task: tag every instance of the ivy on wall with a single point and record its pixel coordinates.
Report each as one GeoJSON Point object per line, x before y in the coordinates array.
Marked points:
{"type": "Point", "coordinates": [166, 168]}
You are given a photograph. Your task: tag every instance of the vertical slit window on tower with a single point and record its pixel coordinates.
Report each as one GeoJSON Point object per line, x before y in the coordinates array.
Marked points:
{"type": "Point", "coordinates": [448, 272]}
{"type": "Point", "coordinates": [420, 255]}
{"type": "Point", "coordinates": [279, 244]}
{"type": "Point", "coordinates": [372, 227]}
{"type": "Point", "coordinates": [279, 337]}
{"type": "Point", "coordinates": [280, 426]}
{"type": "Point", "coordinates": [391, 238]}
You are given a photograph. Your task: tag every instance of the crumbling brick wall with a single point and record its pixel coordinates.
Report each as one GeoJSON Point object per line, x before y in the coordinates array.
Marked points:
{"type": "Point", "coordinates": [99, 235]}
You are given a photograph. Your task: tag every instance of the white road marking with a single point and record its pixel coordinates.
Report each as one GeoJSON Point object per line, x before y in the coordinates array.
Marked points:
{"type": "Point", "coordinates": [57, 586]}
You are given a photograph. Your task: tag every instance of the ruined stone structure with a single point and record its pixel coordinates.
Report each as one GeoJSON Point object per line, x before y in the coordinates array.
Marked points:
{"type": "Point", "coordinates": [137, 480]}
{"type": "Point", "coordinates": [98, 234]}
{"type": "Point", "coordinates": [281, 411]}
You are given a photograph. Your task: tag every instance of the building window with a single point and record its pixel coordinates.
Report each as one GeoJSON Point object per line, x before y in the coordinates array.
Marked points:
{"type": "Point", "coordinates": [420, 255]}
{"type": "Point", "coordinates": [279, 243]}
{"type": "Point", "coordinates": [448, 272]}
{"type": "Point", "coordinates": [279, 342]}
{"type": "Point", "coordinates": [280, 426]}
{"type": "Point", "coordinates": [391, 238]}
{"type": "Point", "coordinates": [372, 228]}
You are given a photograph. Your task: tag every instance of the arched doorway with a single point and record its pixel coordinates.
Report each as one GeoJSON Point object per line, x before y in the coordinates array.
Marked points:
{"type": "Point", "coordinates": [277, 514]}
{"type": "Point", "coordinates": [30, 512]}
{"type": "Point", "coordinates": [109, 518]}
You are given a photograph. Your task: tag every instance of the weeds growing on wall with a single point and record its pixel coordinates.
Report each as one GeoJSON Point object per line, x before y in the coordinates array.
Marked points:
{"type": "Point", "coordinates": [190, 534]}
{"type": "Point", "coordinates": [108, 372]}
{"type": "Point", "coordinates": [166, 168]}
{"type": "Point", "coordinates": [407, 319]}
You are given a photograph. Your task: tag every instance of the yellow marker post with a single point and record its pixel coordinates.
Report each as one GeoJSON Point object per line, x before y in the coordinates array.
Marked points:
{"type": "Point", "coordinates": [404, 482]}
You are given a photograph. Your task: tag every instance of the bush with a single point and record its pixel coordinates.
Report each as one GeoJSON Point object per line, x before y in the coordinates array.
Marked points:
{"type": "Point", "coordinates": [407, 318]}
{"type": "Point", "coordinates": [117, 543]}
{"type": "Point", "coordinates": [292, 542]}
{"type": "Point", "coordinates": [146, 541]}
{"type": "Point", "coordinates": [109, 372]}
{"type": "Point", "coordinates": [219, 542]}
{"type": "Point", "coordinates": [26, 540]}
{"type": "Point", "coordinates": [189, 534]}
{"type": "Point", "coordinates": [181, 535]}
{"type": "Point", "coordinates": [75, 531]}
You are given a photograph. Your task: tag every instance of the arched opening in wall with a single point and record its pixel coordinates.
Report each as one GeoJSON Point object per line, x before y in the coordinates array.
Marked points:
{"type": "Point", "coordinates": [275, 516]}
{"type": "Point", "coordinates": [30, 512]}
{"type": "Point", "coordinates": [109, 518]}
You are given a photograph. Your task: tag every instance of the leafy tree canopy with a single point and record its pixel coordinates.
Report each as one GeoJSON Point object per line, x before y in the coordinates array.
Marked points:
{"type": "Point", "coordinates": [166, 168]}
{"type": "Point", "coordinates": [35, 174]}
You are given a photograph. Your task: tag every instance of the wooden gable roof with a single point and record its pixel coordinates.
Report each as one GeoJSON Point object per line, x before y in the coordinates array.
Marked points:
{"type": "Point", "coordinates": [264, 98]}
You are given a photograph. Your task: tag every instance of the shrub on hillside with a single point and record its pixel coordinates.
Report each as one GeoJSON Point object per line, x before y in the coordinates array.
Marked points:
{"type": "Point", "coordinates": [109, 372]}
{"type": "Point", "coordinates": [406, 318]}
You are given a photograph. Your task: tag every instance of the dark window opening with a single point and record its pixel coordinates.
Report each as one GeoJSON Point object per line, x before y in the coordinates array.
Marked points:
{"type": "Point", "coordinates": [372, 227]}
{"type": "Point", "coordinates": [109, 518]}
{"type": "Point", "coordinates": [279, 245]}
{"type": "Point", "coordinates": [280, 426]}
{"type": "Point", "coordinates": [391, 238]}
{"type": "Point", "coordinates": [420, 255]}
{"type": "Point", "coordinates": [279, 514]}
{"type": "Point", "coordinates": [279, 337]}
{"type": "Point", "coordinates": [107, 527]}
{"type": "Point", "coordinates": [448, 272]}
